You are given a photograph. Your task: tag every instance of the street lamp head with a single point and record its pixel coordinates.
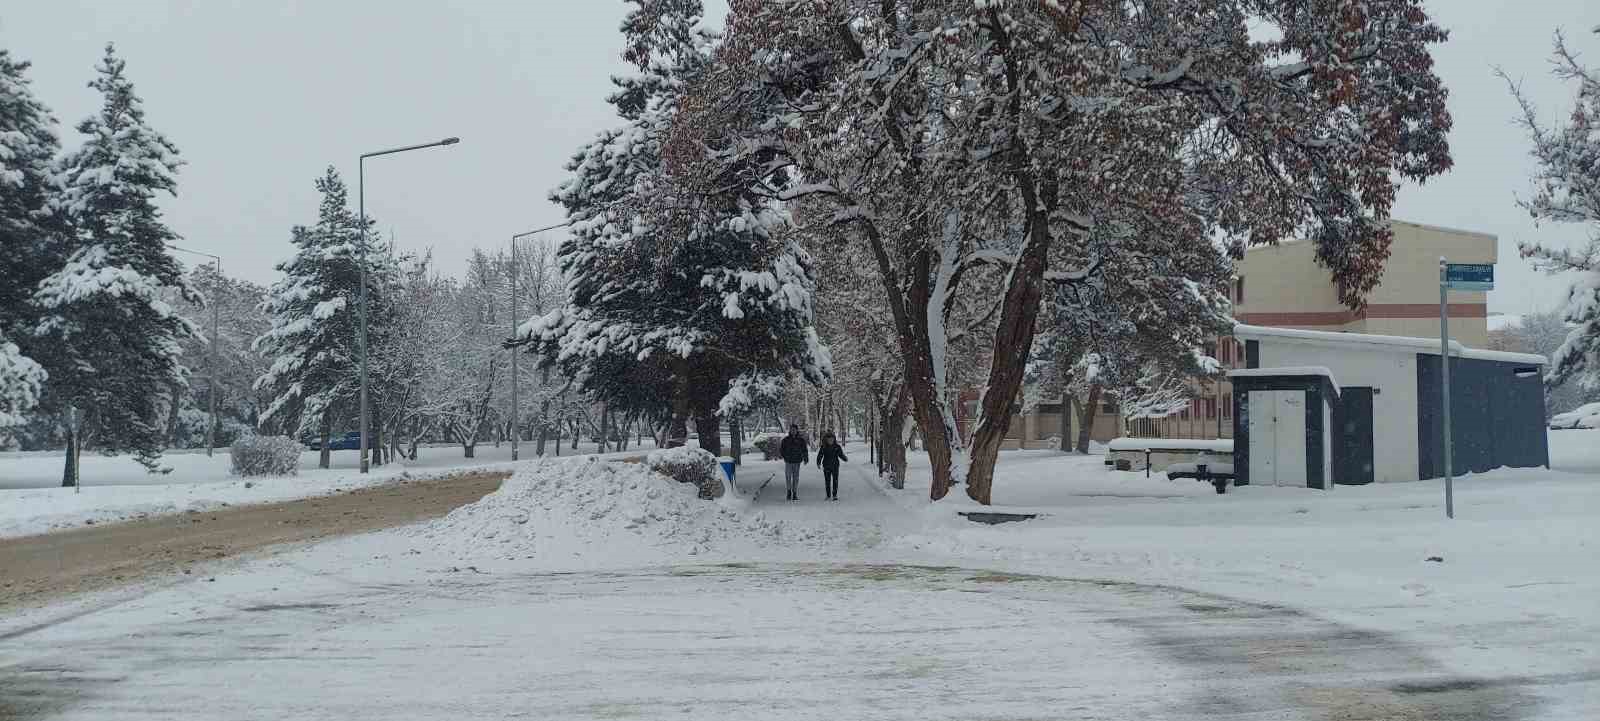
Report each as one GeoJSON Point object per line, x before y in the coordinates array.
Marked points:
{"type": "Point", "coordinates": [450, 141]}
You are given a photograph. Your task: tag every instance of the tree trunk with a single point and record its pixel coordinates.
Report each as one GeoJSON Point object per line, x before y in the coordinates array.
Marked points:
{"type": "Point", "coordinates": [605, 427]}
{"type": "Point", "coordinates": [1086, 417]}
{"type": "Point", "coordinates": [710, 432]}
{"type": "Point", "coordinates": [891, 436]}
{"type": "Point", "coordinates": [175, 399]}
{"type": "Point", "coordinates": [69, 473]}
{"type": "Point", "coordinates": [678, 432]}
{"type": "Point", "coordinates": [736, 437]}
{"type": "Point", "coordinates": [325, 456]}
{"type": "Point", "coordinates": [558, 440]}
{"type": "Point", "coordinates": [469, 450]}
{"type": "Point", "coordinates": [577, 434]}
{"type": "Point", "coordinates": [1064, 378]}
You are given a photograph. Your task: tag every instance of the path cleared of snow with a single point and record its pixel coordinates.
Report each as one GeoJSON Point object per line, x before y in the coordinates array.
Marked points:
{"type": "Point", "coordinates": [737, 641]}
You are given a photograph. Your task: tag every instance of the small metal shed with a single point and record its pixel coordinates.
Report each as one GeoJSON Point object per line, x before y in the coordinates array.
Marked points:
{"type": "Point", "coordinates": [1283, 422]}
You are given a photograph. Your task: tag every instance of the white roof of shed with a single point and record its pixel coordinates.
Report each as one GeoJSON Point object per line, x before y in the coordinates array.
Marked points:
{"type": "Point", "coordinates": [1380, 343]}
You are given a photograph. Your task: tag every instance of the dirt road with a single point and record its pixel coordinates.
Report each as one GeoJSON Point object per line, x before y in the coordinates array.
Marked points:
{"type": "Point", "coordinates": [36, 569]}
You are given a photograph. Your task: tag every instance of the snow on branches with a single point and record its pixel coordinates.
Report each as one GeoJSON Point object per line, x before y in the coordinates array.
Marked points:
{"type": "Point", "coordinates": [952, 135]}
{"type": "Point", "coordinates": [682, 278]}
{"type": "Point", "coordinates": [1566, 189]}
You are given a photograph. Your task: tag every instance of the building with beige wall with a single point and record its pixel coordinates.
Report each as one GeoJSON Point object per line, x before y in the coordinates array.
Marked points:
{"type": "Point", "coordinates": [1282, 286]}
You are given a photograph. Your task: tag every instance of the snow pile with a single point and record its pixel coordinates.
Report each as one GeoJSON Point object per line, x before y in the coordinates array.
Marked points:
{"type": "Point", "coordinates": [604, 513]}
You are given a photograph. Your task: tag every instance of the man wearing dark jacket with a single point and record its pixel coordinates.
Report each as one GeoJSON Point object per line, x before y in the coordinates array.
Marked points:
{"type": "Point", "coordinates": [794, 450]}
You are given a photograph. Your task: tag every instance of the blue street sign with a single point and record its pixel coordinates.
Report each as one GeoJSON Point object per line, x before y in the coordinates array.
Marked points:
{"type": "Point", "coordinates": [1469, 276]}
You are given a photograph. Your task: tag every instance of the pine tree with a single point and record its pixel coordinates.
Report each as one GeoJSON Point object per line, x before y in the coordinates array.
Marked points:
{"type": "Point", "coordinates": [312, 342]}
{"type": "Point", "coordinates": [115, 339]}
{"type": "Point", "coordinates": [685, 289]}
{"type": "Point", "coordinates": [29, 236]}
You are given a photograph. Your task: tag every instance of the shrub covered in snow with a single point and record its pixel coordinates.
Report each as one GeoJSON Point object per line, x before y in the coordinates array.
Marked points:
{"type": "Point", "coordinates": [265, 456]}
{"type": "Point", "coordinates": [768, 444]}
{"type": "Point", "coordinates": [686, 464]}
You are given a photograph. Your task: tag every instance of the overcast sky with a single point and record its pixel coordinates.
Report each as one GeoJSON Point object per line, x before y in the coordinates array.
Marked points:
{"type": "Point", "coordinates": [261, 96]}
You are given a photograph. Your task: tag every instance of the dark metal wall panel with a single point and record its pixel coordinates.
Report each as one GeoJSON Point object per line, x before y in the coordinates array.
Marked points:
{"type": "Point", "coordinates": [1252, 354]}
{"type": "Point", "coordinates": [1497, 418]}
{"type": "Point", "coordinates": [1241, 436]}
{"type": "Point", "coordinates": [1316, 453]}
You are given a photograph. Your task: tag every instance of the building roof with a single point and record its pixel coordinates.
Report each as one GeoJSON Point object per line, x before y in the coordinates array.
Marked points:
{"type": "Point", "coordinates": [1284, 371]}
{"type": "Point", "coordinates": [1379, 343]}
{"type": "Point", "coordinates": [1392, 221]}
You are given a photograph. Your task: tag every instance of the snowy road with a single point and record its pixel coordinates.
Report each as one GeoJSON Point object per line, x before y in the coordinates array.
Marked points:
{"type": "Point", "coordinates": [768, 641]}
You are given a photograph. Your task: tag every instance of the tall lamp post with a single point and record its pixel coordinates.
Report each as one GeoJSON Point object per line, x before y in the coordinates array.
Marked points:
{"type": "Point", "coordinates": [361, 339]}
{"type": "Point", "coordinates": [216, 330]}
{"type": "Point", "coordinates": [516, 384]}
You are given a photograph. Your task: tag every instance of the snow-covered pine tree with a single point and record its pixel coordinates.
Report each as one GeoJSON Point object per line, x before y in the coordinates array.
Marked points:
{"type": "Point", "coordinates": [116, 340]}
{"type": "Point", "coordinates": [1567, 190]}
{"type": "Point", "coordinates": [683, 289]}
{"type": "Point", "coordinates": [312, 342]}
{"type": "Point", "coordinates": [30, 242]}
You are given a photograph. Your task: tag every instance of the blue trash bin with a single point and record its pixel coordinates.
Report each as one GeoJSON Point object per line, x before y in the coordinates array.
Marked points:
{"type": "Point", "coordinates": [727, 467]}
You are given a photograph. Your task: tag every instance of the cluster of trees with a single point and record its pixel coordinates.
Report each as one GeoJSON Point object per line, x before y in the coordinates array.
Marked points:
{"type": "Point", "coordinates": [87, 340]}
{"type": "Point", "coordinates": [98, 349]}
{"type": "Point", "coordinates": [990, 183]}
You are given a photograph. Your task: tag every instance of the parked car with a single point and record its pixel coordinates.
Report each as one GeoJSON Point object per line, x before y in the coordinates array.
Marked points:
{"type": "Point", "coordinates": [1584, 416]}
{"type": "Point", "coordinates": [348, 442]}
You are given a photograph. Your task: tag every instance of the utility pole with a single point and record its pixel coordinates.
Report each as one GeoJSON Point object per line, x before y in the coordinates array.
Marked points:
{"type": "Point", "coordinates": [516, 380]}
{"type": "Point", "coordinates": [361, 339]}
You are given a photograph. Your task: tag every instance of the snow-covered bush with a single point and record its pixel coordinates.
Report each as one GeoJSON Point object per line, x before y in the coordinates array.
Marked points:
{"type": "Point", "coordinates": [768, 444]}
{"type": "Point", "coordinates": [686, 464]}
{"type": "Point", "coordinates": [265, 456]}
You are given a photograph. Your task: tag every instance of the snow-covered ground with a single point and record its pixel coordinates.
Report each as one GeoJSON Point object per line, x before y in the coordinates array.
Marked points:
{"type": "Point", "coordinates": [585, 591]}
{"type": "Point", "coordinates": [116, 488]}
{"type": "Point", "coordinates": [42, 469]}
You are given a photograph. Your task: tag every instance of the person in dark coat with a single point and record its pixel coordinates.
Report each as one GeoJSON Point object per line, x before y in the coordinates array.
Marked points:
{"type": "Point", "coordinates": [794, 450]}
{"type": "Point", "coordinates": [828, 456]}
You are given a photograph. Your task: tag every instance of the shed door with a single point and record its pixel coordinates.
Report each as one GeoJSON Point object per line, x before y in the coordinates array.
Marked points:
{"type": "Point", "coordinates": [1263, 438]}
{"type": "Point", "coordinates": [1278, 438]}
{"type": "Point", "coordinates": [1290, 443]}
{"type": "Point", "coordinates": [1353, 436]}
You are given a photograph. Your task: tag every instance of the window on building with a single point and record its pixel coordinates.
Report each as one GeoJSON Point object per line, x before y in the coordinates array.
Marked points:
{"type": "Point", "coordinates": [1227, 405]}
{"type": "Point", "coordinates": [1210, 405]}
{"type": "Point", "coordinates": [1238, 290]}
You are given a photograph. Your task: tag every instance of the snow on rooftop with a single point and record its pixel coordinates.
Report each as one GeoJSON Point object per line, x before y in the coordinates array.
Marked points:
{"type": "Point", "coordinates": [1392, 343]}
{"type": "Point", "coordinates": [1170, 444]}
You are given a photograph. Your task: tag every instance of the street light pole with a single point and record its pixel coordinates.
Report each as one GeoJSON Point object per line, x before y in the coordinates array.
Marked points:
{"type": "Point", "coordinates": [361, 339]}
{"type": "Point", "coordinates": [216, 329]}
{"type": "Point", "coordinates": [516, 380]}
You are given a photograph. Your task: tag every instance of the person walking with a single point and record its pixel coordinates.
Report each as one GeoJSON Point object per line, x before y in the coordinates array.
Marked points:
{"type": "Point", "coordinates": [794, 450]}
{"type": "Point", "coordinates": [828, 456]}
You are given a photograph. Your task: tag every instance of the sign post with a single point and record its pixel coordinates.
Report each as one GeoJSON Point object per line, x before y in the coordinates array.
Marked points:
{"type": "Point", "coordinates": [1453, 276]}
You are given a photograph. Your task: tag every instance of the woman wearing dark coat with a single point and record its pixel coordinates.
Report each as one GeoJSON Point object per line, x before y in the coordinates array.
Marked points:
{"type": "Point", "coordinates": [828, 456]}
